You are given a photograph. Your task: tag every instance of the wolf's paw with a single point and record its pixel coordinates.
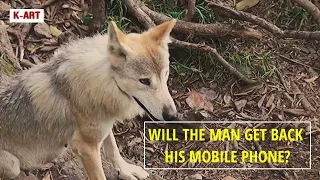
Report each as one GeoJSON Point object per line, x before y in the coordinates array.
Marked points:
{"type": "Point", "coordinates": [132, 172]}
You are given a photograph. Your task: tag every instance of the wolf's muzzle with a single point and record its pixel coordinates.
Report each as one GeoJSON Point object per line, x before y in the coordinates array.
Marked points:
{"type": "Point", "coordinates": [144, 108]}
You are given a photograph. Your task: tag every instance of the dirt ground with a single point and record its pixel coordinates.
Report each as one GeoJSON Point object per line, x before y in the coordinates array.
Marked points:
{"type": "Point", "coordinates": [203, 91]}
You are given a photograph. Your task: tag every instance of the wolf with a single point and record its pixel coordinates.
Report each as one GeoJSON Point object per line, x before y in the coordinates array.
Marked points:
{"type": "Point", "coordinates": [73, 100]}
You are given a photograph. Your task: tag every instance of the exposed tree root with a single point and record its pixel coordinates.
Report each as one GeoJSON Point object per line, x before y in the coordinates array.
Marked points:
{"type": "Point", "coordinates": [239, 15]}
{"type": "Point", "coordinates": [217, 30]}
{"type": "Point", "coordinates": [309, 6]}
{"type": "Point", "coordinates": [191, 10]}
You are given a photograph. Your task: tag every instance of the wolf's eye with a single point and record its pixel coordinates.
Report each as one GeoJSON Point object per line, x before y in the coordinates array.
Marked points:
{"type": "Point", "coordinates": [145, 81]}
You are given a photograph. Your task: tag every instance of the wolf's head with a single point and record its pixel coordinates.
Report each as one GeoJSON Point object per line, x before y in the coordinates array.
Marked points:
{"type": "Point", "coordinates": [140, 66]}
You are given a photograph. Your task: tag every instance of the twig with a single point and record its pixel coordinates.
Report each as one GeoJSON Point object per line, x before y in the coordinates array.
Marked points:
{"type": "Point", "coordinates": [297, 62]}
{"type": "Point", "coordinates": [304, 101]}
{"type": "Point", "coordinates": [275, 30]}
{"type": "Point", "coordinates": [44, 5]}
{"type": "Point", "coordinates": [75, 25]}
{"type": "Point", "coordinates": [309, 6]}
{"type": "Point", "coordinates": [297, 112]}
{"type": "Point", "coordinates": [219, 58]}
{"type": "Point", "coordinates": [20, 43]}
{"type": "Point", "coordinates": [21, 36]}
{"type": "Point", "coordinates": [191, 10]}
{"type": "Point", "coordinates": [120, 133]}
{"type": "Point", "coordinates": [263, 118]}
{"type": "Point", "coordinates": [280, 76]}
{"type": "Point", "coordinates": [147, 22]}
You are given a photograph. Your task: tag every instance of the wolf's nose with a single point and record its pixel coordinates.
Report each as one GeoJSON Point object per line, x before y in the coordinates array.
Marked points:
{"type": "Point", "coordinates": [169, 116]}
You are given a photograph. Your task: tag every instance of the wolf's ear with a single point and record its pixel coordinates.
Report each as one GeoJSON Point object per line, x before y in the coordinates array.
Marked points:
{"type": "Point", "coordinates": [116, 37]}
{"type": "Point", "coordinates": [161, 33]}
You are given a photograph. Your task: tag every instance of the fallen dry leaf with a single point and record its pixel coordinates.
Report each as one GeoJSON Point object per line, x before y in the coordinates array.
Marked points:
{"type": "Point", "coordinates": [311, 80]}
{"type": "Point", "coordinates": [32, 48]}
{"type": "Point", "coordinates": [270, 101]}
{"type": "Point", "coordinates": [246, 4]}
{"type": "Point", "coordinates": [197, 101]}
{"type": "Point", "coordinates": [205, 114]}
{"type": "Point", "coordinates": [248, 89]}
{"type": "Point", "coordinates": [272, 108]}
{"type": "Point", "coordinates": [209, 93]}
{"type": "Point", "coordinates": [48, 48]}
{"type": "Point", "coordinates": [229, 178]}
{"type": "Point", "coordinates": [197, 176]}
{"type": "Point", "coordinates": [240, 104]}
{"type": "Point", "coordinates": [227, 99]}
{"type": "Point", "coordinates": [261, 100]}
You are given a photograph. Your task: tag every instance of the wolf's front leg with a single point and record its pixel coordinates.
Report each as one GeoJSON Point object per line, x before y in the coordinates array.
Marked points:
{"type": "Point", "coordinates": [126, 171]}
{"type": "Point", "coordinates": [89, 153]}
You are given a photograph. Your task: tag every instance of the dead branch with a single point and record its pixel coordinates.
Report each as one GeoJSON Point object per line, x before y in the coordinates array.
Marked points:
{"type": "Point", "coordinates": [216, 30]}
{"type": "Point", "coordinates": [145, 20]}
{"type": "Point", "coordinates": [136, 11]}
{"type": "Point", "coordinates": [191, 10]}
{"type": "Point", "coordinates": [316, 2]}
{"type": "Point", "coordinates": [275, 30]}
{"type": "Point", "coordinates": [309, 6]}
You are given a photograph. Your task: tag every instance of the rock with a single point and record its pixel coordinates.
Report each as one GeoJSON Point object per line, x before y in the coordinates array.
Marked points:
{"type": "Point", "coordinates": [42, 30]}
